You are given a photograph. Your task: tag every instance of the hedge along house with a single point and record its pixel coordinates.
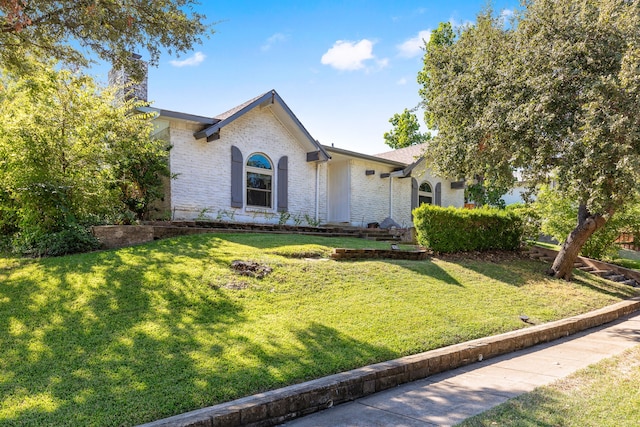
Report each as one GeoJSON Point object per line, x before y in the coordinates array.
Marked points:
{"type": "Point", "coordinates": [258, 163]}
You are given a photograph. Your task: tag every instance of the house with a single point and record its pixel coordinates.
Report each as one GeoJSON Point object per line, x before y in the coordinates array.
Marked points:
{"type": "Point", "coordinates": [258, 163]}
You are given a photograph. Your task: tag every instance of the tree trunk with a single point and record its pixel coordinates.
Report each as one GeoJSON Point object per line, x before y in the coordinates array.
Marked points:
{"type": "Point", "coordinates": [588, 224]}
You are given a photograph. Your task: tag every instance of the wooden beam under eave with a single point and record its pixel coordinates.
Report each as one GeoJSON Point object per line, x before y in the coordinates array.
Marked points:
{"type": "Point", "coordinates": [214, 136]}
{"type": "Point", "coordinates": [313, 156]}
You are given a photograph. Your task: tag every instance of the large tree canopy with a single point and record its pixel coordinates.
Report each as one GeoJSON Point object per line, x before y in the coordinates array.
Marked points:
{"type": "Point", "coordinates": [73, 30]}
{"type": "Point", "coordinates": [555, 94]}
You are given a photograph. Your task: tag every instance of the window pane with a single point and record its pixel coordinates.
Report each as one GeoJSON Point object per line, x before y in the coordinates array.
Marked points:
{"type": "Point", "coordinates": [258, 180]}
{"type": "Point", "coordinates": [259, 161]}
{"type": "Point", "coordinates": [424, 199]}
{"type": "Point", "coordinates": [425, 187]}
{"type": "Point", "coordinates": [259, 198]}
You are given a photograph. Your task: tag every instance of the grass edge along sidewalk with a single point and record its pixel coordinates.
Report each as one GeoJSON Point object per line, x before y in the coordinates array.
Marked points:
{"type": "Point", "coordinates": [283, 404]}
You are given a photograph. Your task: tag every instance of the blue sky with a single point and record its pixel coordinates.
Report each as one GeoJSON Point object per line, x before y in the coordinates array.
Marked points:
{"type": "Point", "coordinates": [343, 67]}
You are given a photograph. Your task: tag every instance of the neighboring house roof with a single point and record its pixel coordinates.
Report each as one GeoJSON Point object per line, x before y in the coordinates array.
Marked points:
{"type": "Point", "coordinates": [283, 113]}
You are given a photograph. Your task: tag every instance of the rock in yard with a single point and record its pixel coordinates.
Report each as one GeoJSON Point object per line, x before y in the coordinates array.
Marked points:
{"type": "Point", "coordinates": [251, 269]}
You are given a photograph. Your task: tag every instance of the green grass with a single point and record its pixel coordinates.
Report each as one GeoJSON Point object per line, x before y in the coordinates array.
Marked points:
{"type": "Point", "coordinates": [127, 336]}
{"type": "Point", "coordinates": [628, 259]}
{"type": "Point", "coordinates": [603, 395]}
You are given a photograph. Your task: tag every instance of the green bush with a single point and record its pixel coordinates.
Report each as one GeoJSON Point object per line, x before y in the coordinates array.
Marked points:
{"type": "Point", "coordinates": [71, 239]}
{"type": "Point", "coordinates": [531, 221]}
{"type": "Point", "coordinates": [460, 230]}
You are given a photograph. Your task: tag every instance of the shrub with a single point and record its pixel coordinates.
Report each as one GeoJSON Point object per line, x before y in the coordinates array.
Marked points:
{"type": "Point", "coordinates": [71, 239]}
{"type": "Point", "coordinates": [459, 230]}
{"type": "Point", "coordinates": [531, 222]}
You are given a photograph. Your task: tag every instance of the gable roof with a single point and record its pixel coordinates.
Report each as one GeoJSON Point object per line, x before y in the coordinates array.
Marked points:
{"type": "Point", "coordinates": [412, 156]}
{"type": "Point", "coordinates": [282, 112]}
{"type": "Point", "coordinates": [407, 155]}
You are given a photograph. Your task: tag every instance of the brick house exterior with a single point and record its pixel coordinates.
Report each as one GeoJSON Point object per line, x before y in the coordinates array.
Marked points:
{"type": "Point", "coordinates": [257, 163]}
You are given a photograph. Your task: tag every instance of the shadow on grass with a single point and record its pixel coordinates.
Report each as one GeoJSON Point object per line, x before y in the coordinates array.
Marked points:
{"type": "Point", "coordinates": [141, 340]}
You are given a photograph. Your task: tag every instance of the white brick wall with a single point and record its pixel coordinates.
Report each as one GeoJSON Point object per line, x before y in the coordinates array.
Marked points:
{"type": "Point", "coordinates": [450, 197]}
{"type": "Point", "coordinates": [203, 185]}
{"type": "Point", "coordinates": [369, 193]}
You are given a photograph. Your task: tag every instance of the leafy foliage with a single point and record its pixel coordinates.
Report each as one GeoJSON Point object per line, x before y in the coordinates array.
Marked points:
{"type": "Point", "coordinates": [71, 156]}
{"type": "Point", "coordinates": [557, 91]}
{"type": "Point", "coordinates": [74, 31]}
{"type": "Point", "coordinates": [405, 132]}
{"type": "Point", "coordinates": [460, 230]}
{"type": "Point", "coordinates": [558, 219]}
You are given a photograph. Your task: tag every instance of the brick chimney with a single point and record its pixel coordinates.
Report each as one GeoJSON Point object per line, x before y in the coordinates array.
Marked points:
{"type": "Point", "coordinates": [127, 87]}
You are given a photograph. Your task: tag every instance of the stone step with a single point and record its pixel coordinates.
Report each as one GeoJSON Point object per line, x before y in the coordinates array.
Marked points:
{"type": "Point", "coordinates": [630, 282]}
{"type": "Point", "coordinates": [617, 277]}
{"type": "Point", "coordinates": [603, 273]}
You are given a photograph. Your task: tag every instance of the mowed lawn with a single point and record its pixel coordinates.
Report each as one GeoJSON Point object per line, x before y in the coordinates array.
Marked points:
{"type": "Point", "coordinates": [128, 336]}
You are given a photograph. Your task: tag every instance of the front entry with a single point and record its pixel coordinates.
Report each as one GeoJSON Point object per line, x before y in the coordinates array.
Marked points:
{"type": "Point", "coordinates": [339, 192]}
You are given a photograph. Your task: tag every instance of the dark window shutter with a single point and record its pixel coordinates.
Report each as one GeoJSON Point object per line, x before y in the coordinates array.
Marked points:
{"type": "Point", "coordinates": [283, 184]}
{"type": "Point", "coordinates": [438, 194]}
{"type": "Point", "coordinates": [236, 178]}
{"type": "Point", "coordinates": [414, 193]}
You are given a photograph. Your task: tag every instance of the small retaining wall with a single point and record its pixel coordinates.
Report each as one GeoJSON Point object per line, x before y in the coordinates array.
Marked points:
{"type": "Point", "coordinates": [277, 406]}
{"type": "Point", "coordinates": [118, 236]}
{"type": "Point", "coordinates": [341, 253]}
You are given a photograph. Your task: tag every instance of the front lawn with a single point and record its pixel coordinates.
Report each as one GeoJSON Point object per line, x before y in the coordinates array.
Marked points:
{"type": "Point", "coordinates": [127, 336]}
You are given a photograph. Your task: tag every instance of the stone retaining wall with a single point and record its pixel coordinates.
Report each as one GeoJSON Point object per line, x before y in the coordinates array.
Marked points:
{"type": "Point", "coordinates": [277, 406]}
{"type": "Point", "coordinates": [342, 253]}
{"type": "Point", "coordinates": [118, 236]}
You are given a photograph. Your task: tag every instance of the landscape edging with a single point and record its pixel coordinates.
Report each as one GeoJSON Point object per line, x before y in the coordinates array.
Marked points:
{"type": "Point", "coordinates": [277, 406]}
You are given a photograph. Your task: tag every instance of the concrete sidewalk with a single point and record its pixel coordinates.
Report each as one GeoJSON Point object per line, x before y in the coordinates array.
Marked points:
{"type": "Point", "coordinates": [448, 398]}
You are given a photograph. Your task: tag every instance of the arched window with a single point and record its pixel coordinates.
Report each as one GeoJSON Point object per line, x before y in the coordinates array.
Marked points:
{"type": "Point", "coordinates": [259, 181]}
{"type": "Point", "coordinates": [425, 195]}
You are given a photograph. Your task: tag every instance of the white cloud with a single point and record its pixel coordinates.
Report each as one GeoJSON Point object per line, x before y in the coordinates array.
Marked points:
{"type": "Point", "coordinates": [194, 60]}
{"type": "Point", "coordinates": [382, 63]}
{"type": "Point", "coordinates": [506, 13]}
{"type": "Point", "coordinates": [346, 55]}
{"type": "Point", "coordinates": [274, 39]}
{"type": "Point", "coordinates": [402, 81]}
{"type": "Point", "coordinates": [414, 46]}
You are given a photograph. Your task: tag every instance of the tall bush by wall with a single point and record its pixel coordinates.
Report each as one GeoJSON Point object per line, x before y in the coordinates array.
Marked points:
{"type": "Point", "coordinates": [459, 230]}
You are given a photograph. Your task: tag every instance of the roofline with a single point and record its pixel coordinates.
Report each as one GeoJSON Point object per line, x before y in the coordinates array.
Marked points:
{"type": "Point", "coordinates": [177, 115]}
{"type": "Point", "coordinates": [366, 157]}
{"type": "Point", "coordinates": [269, 96]}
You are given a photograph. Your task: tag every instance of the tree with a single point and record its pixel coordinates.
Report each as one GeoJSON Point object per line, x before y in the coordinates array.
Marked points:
{"type": "Point", "coordinates": [67, 152]}
{"type": "Point", "coordinates": [556, 92]}
{"type": "Point", "coordinates": [112, 30]}
{"type": "Point", "coordinates": [405, 132]}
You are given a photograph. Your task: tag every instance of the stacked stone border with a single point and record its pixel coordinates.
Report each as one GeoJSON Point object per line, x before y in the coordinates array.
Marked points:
{"type": "Point", "coordinates": [277, 406]}
{"type": "Point", "coordinates": [118, 236]}
{"type": "Point", "coordinates": [345, 254]}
